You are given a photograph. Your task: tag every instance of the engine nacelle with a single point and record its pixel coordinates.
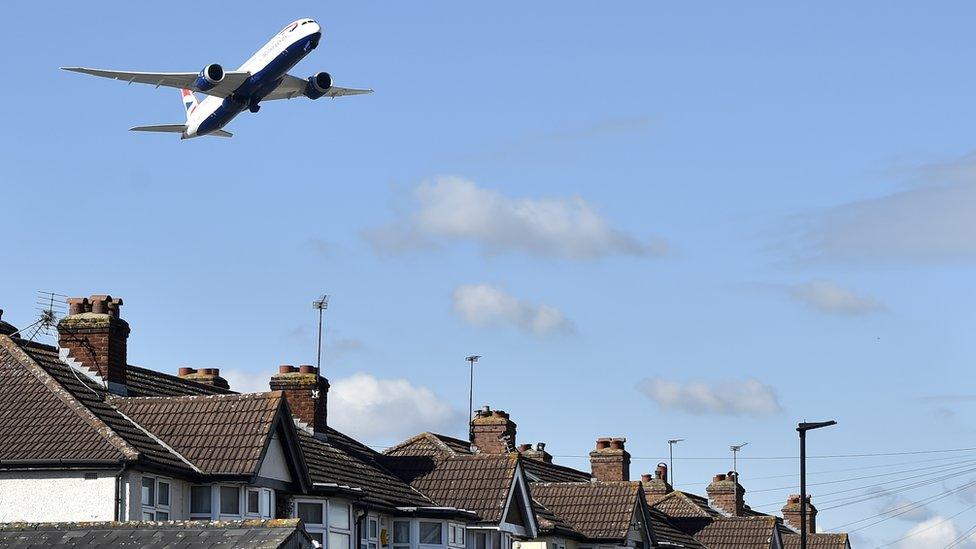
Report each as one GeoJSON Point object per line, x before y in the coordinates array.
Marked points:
{"type": "Point", "coordinates": [318, 85]}
{"type": "Point", "coordinates": [209, 77]}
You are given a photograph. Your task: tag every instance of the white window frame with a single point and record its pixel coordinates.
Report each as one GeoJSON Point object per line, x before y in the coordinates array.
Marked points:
{"type": "Point", "coordinates": [443, 542]}
{"type": "Point", "coordinates": [325, 528]}
{"type": "Point", "coordinates": [218, 491]}
{"type": "Point", "coordinates": [368, 539]}
{"type": "Point", "coordinates": [154, 508]}
{"type": "Point", "coordinates": [266, 502]}
{"type": "Point", "coordinates": [401, 544]}
{"type": "Point", "coordinates": [453, 531]}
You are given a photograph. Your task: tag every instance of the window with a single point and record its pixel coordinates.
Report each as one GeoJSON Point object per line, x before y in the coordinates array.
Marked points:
{"type": "Point", "coordinates": [327, 521]}
{"type": "Point", "coordinates": [455, 534]}
{"type": "Point", "coordinates": [369, 533]}
{"type": "Point", "coordinates": [311, 513]}
{"type": "Point", "coordinates": [230, 500]}
{"type": "Point", "coordinates": [200, 500]}
{"type": "Point", "coordinates": [154, 498]}
{"type": "Point", "coordinates": [430, 533]}
{"type": "Point", "coordinates": [254, 502]}
{"type": "Point", "coordinates": [480, 540]}
{"type": "Point", "coordinates": [401, 534]}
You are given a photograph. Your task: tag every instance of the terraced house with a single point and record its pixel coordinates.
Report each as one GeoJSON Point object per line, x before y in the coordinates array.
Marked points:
{"type": "Point", "coordinates": [86, 437]}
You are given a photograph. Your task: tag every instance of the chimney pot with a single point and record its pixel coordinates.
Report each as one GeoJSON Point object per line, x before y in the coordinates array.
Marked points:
{"type": "Point", "coordinates": [646, 477]}
{"type": "Point", "coordinates": [610, 461]}
{"type": "Point", "coordinates": [307, 396]}
{"type": "Point", "coordinates": [306, 369]}
{"type": "Point", "coordinates": [98, 343]}
{"type": "Point", "coordinates": [602, 443]}
{"type": "Point", "coordinates": [286, 369]}
{"type": "Point", "coordinates": [791, 513]}
{"type": "Point", "coordinates": [540, 446]}
{"type": "Point", "coordinates": [186, 370]}
{"type": "Point", "coordinates": [617, 443]}
{"type": "Point", "coordinates": [524, 447]}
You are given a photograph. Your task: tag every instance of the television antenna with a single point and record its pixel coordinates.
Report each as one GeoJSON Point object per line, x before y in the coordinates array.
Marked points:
{"type": "Point", "coordinates": [51, 306]}
{"type": "Point", "coordinates": [471, 360]}
{"type": "Point", "coordinates": [671, 444]}
{"type": "Point", "coordinates": [320, 304]}
{"type": "Point", "coordinates": [736, 448]}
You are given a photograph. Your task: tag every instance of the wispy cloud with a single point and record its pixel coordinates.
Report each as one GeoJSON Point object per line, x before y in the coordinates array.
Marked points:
{"type": "Point", "coordinates": [830, 297]}
{"type": "Point", "coordinates": [487, 305]}
{"type": "Point", "coordinates": [933, 221]}
{"type": "Point", "coordinates": [898, 506]}
{"type": "Point", "coordinates": [454, 209]}
{"type": "Point", "coordinates": [748, 397]}
{"type": "Point", "coordinates": [937, 531]}
{"type": "Point", "coordinates": [375, 408]}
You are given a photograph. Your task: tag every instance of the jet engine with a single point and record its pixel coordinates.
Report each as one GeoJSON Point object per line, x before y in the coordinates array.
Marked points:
{"type": "Point", "coordinates": [318, 84]}
{"type": "Point", "coordinates": [210, 76]}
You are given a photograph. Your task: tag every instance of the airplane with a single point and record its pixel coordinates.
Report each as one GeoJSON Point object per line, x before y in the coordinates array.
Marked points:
{"type": "Point", "coordinates": [263, 77]}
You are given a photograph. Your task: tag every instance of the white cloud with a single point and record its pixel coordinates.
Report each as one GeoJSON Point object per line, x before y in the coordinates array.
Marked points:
{"type": "Point", "coordinates": [244, 381]}
{"type": "Point", "coordinates": [454, 209]}
{"type": "Point", "coordinates": [898, 506]}
{"type": "Point", "coordinates": [931, 222]}
{"type": "Point", "coordinates": [832, 298]}
{"type": "Point", "coordinates": [935, 532]}
{"type": "Point", "coordinates": [369, 408]}
{"type": "Point", "coordinates": [745, 397]}
{"type": "Point", "coordinates": [486, 305]}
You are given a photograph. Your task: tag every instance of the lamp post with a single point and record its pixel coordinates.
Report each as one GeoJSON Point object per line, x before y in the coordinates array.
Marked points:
{"type": "Point", "coordinates": [471, 360]}
{"type": "Point", "coordinates": [802, 428]}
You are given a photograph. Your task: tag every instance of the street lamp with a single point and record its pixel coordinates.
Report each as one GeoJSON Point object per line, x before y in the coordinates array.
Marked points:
{"type": "Point", "coordinates": [802, 428]}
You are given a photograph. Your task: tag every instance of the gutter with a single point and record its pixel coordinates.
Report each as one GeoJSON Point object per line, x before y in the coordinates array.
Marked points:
{"type": "Point", "coordinates": [59, 463]}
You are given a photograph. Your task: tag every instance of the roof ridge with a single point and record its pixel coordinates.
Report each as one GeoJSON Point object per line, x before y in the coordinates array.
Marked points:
{"type": "Point", "coordinates": [184, 380]}
{"type": "Point", "coordinates": [69, 400]}
{"type": "Point", "coordinates": [216, 396]}
{"type": "Point", "coordinates": [426, 435]}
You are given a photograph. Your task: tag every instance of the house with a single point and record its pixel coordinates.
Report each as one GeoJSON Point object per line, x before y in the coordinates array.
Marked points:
{"type": "Point", "coordinates": [95, 448]}
{"type": "Point", "coordinates": [86, 437]}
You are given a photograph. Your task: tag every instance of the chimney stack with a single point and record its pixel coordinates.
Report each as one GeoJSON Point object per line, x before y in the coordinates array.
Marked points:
{"type": "Point", "coordinates": [538, 453]}
{"type": "Point", "coordinates": [791, 514]}
{"type": "Point", "coordinates": [726, 494]}
{"type": "Point", "coordinates": [306, 393]}
{"type": "Point", "coordinates": [207, 376]}
{"type": "Point", "coordinates": [95, 336]}
{"type": "Point", "coordinates": [656, 485]}
{"type": "Point", "coordinates": [6, 328]}
{"type": "Point", "coordinates": [492, 431]}
{"type": "Point", "coordinates": [610, 461]}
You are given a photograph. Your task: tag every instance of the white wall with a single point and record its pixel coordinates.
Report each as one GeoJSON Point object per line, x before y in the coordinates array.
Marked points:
{"type": "Point", "coordinates": [56, 496]}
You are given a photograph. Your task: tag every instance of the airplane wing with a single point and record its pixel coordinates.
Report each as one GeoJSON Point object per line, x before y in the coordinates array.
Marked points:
{"type": "Point", "coordinates": [232, 79]}
{"type": "Point", "coordinates": [292, 86]}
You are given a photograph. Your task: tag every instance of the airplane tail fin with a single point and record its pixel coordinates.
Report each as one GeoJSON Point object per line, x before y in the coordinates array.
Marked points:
{"type": "Point", "coordinates": [189, 101]}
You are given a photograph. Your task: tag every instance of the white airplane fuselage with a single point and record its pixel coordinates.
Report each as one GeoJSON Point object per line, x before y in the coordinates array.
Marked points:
{"type": "Point", "coordinates": [267, 67]}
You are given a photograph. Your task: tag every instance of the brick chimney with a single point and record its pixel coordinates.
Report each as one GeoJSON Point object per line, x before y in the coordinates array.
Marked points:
{"type": "Point", "coordinates": [307, 395]}
{"type": "Point", "coordinates": [726, 494]}
{"type": "Point", "coordinates": [207, 376]}
{"type": "Point", "coordinates": [95, 336]}
{"type": "Point", "coordinates": [791, 514]}
{"type": "Point", "coordinates": [656, 485]}
{"type": "Point", "coordinates": [538, 453]}
{"type": "Point", "coordinates": [610, 461]}
{"type": "Point", "coordinates": [6, 328]}
{"type": "Point", "coordinates": [492, 431]}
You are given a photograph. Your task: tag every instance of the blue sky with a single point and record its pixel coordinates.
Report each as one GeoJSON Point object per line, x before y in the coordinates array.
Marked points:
{"type": "Point", "coordinates": [691, 220]}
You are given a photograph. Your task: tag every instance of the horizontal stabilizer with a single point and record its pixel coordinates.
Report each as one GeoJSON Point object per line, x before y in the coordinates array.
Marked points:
{"type": "Point", "coordinates": [165, 128]}
{"type": "Point", "coordinates": [221, 133]}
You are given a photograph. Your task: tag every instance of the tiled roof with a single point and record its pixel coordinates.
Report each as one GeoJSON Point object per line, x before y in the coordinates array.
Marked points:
{"type": "Point", "coordinates": [264, 534]}
{"type": "Point", "coordinates": [550, 472]}
{"type": "Point", "coordinates": [40, 420]}
{"type": "Point", "coordinates": [92, 397]}
{"type": "Point", "coordinates": [598, 510]}
{"type": "Point", "coordinates": [219, 434]}
{"type": "Point", "coordinates": [791, 540]}
{"type": "Point", "coordinates": [430, 444]}
{"type": "Point", "coordinates": [479, 483]}
{"type": "Point", "coordinates": [739, 533]}
{"type": "Point", "coordinates": [344, 462]}
{"type": "Point", "coordinates": [145, 382]}
{"type": "Point", "coordinates": [552, 524]}
{"type": "Point", "coordinates": [678, 504]}
{"type": "Point", "coordinates": [668, 535]}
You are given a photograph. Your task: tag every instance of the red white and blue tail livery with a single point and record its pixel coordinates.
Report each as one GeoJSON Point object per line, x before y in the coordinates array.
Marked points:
{"type": "Point", "coordinates": [263, 77]}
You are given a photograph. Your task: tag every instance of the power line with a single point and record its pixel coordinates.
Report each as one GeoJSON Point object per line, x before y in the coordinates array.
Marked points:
{"type": "Point", "coordinates": [963, 537]}
{"type": "Point", "coordinates": [929, 527]}
{"type": "Point", "coordinates": [906, 508]}
{"type": "Point", "coordinates": [830, 456]}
